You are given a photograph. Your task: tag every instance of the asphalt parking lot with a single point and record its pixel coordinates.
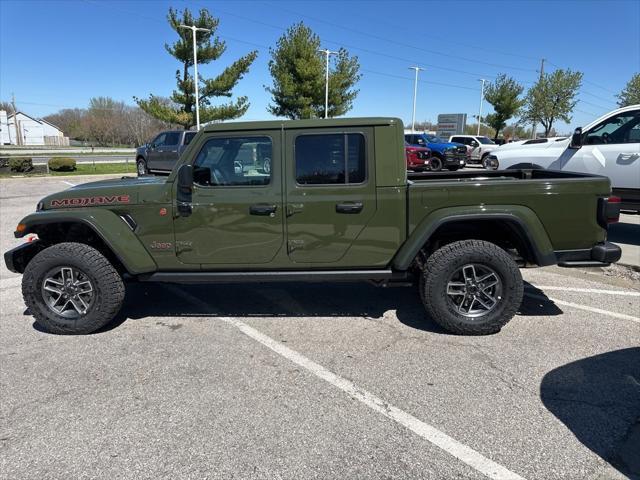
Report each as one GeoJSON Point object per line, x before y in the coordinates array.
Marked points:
{"type": "Point", "coordinates": [280, 381]}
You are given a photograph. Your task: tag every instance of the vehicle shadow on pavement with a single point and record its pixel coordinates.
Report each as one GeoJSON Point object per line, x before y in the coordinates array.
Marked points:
{"type": "Point", "coordinates": [286, 300]}
{"type": "Point", "coordinates": [598, 399]}
{"type": "Point", "coordinates": [627, 233]}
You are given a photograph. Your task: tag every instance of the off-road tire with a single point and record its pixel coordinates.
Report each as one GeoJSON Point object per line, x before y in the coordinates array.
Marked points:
{"type": "Point", "coordinates": [441, 265]}
{"type": "Point", "coordinates": [141, 167]}
{"type": "Point", "coordinates": [107, 282]}
{"type": "Point", "coordinates": [435, 164]}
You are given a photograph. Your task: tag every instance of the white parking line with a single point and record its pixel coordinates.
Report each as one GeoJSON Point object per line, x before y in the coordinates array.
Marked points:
{"type": "Point", "coordinates": [68, 183]}
{"type": "Point", "coordinates": [584, 307]}
{"type": "Point", "coordinates": [438, 438]}
{"type": "Point", "coordinates": [627, 293]}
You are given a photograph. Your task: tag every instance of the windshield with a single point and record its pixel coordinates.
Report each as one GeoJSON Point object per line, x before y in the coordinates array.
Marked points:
{"type": "Point", "coordinates": [434, 139]}
{"type": "Point", "coordinates": [485, 141]}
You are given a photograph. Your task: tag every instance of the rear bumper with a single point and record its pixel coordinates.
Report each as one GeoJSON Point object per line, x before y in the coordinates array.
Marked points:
{"type": "Point", "coordinates": [601, 255]}
{"type": "Point", "coordinates": [17, 258]}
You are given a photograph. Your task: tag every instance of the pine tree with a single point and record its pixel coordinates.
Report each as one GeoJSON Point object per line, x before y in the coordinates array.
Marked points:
{"type": "Point", "coordinates": [181, 108]}
{"type": "Point", "coordinates": [297, 68]}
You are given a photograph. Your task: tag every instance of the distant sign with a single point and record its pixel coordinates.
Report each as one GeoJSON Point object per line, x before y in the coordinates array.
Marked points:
{"type": "Point", "coordinates": [451, 124]}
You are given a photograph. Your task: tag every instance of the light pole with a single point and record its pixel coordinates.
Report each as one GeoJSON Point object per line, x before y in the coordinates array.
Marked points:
{"type": "Point", "coordinates": [195, 29]}
{"type": "Point", "coordinates": [481, 99]}
{"type": "Point", "coordinates": [327, 54]}
{"type": "Point", "coordinates": [415, 94]}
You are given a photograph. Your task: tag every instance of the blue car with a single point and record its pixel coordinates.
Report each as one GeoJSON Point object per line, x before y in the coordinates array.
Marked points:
{"type": "Point", "coordinates": [451, 156]}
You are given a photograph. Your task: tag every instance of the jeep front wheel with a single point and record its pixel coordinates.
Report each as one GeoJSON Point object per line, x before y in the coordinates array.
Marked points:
{"type": "Point", "coordinates": [71, 288]}
{"type": "Point", "coordinates": [471, 287]}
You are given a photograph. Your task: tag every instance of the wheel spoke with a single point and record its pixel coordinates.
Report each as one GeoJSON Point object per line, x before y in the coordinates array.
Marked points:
{"type": "Point", "coordinates": [456, 288]}
{"type": "Point", "coordinates": [67, 275]}
{"type": "Point", "coordinates": [84, 287]}
{"type": "Point", "coordinates": [79, 304]}
{"type": "Point", "coordinates": [51, 288]}
{"type": "Point", "coordinates": [469, 273]}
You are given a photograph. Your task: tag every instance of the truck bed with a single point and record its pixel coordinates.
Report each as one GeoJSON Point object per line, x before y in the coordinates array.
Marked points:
{"type": "Point", "coordinates": [564, 204]}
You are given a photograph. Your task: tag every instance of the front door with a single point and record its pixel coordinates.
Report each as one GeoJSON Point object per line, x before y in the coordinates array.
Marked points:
{"type": "Point", "coordinates": [330, 192]}
{"type": "Point", "coordinates": [154, 154]}
{"type": "Point", "coordinates": [612, 149]}
{"type": "Point", "coordinates": [169, 151]}
{"type": "Point", "coordinates": [237, 215]}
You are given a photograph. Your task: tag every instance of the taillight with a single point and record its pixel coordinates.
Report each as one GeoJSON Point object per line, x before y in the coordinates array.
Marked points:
{"type": "Point", "coordinates": [608, 210]}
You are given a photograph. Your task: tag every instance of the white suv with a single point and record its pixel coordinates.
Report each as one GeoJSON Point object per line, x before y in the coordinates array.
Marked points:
{"type": "Point", "coordinates": [478, 146]}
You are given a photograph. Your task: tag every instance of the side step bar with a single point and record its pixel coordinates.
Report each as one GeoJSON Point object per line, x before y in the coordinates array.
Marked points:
{"type": "Point", "coordinates": [274, 276]}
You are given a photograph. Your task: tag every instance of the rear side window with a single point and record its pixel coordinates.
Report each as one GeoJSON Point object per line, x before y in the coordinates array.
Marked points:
{"type": "Point", "coordinates": [188, 137]}
{"type": "Point", "coordinates": [172, 138]}
{"type": "Point", "coordinates": [330, 159]}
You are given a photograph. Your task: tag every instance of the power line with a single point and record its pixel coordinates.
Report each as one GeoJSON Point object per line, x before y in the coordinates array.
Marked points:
{"type": "Point", "coordinates": [422, 33]}
{"type": "Point", "coordinates": [434, 52]}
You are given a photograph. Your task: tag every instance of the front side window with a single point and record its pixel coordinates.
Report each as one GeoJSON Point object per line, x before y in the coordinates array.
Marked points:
{"type": "Point", "coordinates": [330, 159]}
{"type": "Point", "coordinates": [616, 129]}
{"type": "Point", "coordinates": [234, 161]}
{"type": "Point", "coordinates": [485, 141]}
{"type": "Point", "coordinates": [159, 140]}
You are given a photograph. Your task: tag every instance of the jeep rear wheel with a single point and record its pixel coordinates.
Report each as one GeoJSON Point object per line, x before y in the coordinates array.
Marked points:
{"type": "Point", "coordinates": [471, 287]}
{"type": "Point", "coordinates": [71, 288]}
{"type": "Point", "coordinates": [435, 164]}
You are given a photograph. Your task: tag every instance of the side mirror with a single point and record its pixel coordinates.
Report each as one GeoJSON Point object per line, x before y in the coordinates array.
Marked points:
{"type": "Point", "coordinates": [576, 139]}
{"type": "Point", "coordinates": [185, 190]}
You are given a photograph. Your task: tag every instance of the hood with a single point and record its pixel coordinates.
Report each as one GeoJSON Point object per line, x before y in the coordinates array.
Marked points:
{"type": "Point", "coordinates": [443, 145]}
{"type": "Point", "coordinates": [117, 191]}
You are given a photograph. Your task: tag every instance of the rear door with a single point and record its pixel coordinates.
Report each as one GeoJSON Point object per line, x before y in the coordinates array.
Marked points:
{"type": "Point", "coordinates": [237, 215]}
{"type": "Point", "coordinates": [330, 192]}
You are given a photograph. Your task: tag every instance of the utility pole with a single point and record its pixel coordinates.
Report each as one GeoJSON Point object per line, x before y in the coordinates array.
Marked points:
{"type": "Point", "coordinates": [327, 54]}
{"type": "Point", "coordinates": [481, 99]}
{"type": "Point", "coordinates": [15, 120]}
{"type": "Point", "coordinates": [415, 95]}
{"type": "Point", "coordinates": [195, 29]}
{"type": "Point", "coordinates": [533, 129]}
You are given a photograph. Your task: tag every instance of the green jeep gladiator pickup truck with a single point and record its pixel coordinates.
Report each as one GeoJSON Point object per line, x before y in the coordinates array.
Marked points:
{"type": "Point", "coordinates": [335, 204]}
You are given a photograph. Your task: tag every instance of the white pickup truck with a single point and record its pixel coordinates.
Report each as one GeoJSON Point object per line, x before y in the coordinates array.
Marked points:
{"type": "Point", "coordinates": [478, 147]}
{"type": "Point", "coordinates": [609, 146]}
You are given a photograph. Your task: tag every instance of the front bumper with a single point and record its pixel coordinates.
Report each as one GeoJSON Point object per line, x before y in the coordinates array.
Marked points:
{"type": "Point", "coordinates": [17, 258]}
{"type": "Point", "coordinates": [455, 161]}
{"type": "Point", "coordinates": [601, 255]}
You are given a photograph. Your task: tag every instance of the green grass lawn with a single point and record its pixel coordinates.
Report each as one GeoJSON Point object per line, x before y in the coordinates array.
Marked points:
{"type": "Point", "coordinates": [100, 169]}
{"type": "Point", "coordinates": [81, 169]}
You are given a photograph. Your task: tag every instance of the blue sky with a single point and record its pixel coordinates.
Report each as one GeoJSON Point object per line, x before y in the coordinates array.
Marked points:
{"type": "Point", "coordinates": [56, 54]}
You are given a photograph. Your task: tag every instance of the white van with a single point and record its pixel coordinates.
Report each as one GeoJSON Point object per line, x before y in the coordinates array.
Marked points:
{"type": "Point", "coordinates": [610, 146]}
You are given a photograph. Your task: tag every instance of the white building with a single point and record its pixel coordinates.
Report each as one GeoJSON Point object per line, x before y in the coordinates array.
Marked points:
{"type": "Point", "coordinates": [32, 131]}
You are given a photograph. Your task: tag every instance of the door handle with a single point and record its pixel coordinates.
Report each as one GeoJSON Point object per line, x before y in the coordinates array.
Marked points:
{"type": "Point", "coordinates": [349, 207]}
{"type": "Point", "coordinates": [263, 209]}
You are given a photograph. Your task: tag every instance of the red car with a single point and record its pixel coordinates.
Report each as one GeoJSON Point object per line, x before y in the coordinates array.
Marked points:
{"type": "Point", "coordinates": [417, 157]}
